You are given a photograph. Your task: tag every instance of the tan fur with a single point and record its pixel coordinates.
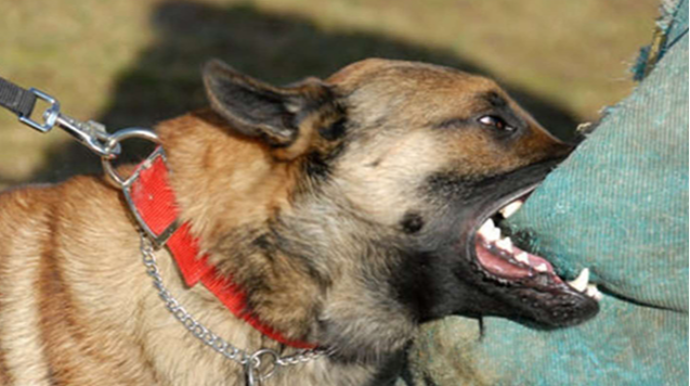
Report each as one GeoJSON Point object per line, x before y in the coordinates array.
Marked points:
{"type": "Point", "coordinates": [77, 308]}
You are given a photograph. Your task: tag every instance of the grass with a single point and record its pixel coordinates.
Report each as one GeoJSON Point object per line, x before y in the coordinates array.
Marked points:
{"type": "Point", "coordinates": [133, 62]}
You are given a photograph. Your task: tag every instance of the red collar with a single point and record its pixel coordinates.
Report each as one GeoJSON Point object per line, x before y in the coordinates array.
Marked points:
{"type": "Point", "coordinates": [152, 202]}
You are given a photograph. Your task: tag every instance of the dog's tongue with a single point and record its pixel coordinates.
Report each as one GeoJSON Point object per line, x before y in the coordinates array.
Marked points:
{"type": "Point", "coordinates": [499, 265]}
{"type": "Point", "coordinates": [503, 263]}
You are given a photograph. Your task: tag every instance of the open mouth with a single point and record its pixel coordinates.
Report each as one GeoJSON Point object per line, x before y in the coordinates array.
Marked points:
{"type": "Point", "coordinates": [506, 263]}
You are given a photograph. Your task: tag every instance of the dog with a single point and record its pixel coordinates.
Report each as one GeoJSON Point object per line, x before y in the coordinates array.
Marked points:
{"type": "Point", "coordinates": [349, 210]}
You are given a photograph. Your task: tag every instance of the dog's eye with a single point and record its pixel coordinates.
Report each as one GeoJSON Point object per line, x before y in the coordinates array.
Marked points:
{"type": "Point", "coordinates": [495, 122]}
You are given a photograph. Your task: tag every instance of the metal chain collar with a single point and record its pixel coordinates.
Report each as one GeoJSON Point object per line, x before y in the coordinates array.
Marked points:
{"type": "Point", "coordinates": [251, 362]}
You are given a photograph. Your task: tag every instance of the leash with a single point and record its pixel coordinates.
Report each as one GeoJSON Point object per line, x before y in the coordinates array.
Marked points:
{"type": "Point", "coordinates": [152, 202]}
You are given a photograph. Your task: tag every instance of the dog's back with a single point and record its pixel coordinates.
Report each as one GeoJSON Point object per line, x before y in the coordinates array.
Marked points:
{"type": "Point", "coordinates": [46, 306]}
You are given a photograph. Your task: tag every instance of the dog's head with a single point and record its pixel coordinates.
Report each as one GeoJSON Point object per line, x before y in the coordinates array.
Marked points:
{"type": "Point", "coordinates": [397, 166]}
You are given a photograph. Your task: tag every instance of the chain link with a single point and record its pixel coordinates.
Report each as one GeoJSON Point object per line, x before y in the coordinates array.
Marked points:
{"type": "Point", "coordinates": [251, 362]}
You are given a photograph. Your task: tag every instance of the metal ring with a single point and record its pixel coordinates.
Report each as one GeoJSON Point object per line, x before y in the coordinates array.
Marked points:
{"type": "Point", "coordinates": [114, 141]}
{"type": "Point", "coordinates": [255, 360]}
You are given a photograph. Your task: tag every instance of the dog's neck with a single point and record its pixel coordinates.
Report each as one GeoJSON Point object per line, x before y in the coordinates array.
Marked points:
{"type": "Point", "coordinates": [230, 189]}
{"type": "Point", "coordinates": [277, 238]}
{"type": "Point", "coordinates": [221, 181]}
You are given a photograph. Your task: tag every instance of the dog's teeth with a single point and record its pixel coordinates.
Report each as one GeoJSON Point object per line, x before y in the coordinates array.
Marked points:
{"type": "Point", "coordinates": [580, 283]}
{"type": "Point", "coordinates": [541, 267]}
{"type": "Point", "coordinates": [511, 208]}
{"type": "Point", "coordinates": [489, 231]}
{"type": "Point", "coordinates": [522, 257]}
{"type": "Point", "coordinates": [494, 234]}
{"type": "Point", "coordinates": [505, 243]}
{"type": "Point", "coordinates": [487, 227]}
{"type": "Point", "coordinates": [593, 292]}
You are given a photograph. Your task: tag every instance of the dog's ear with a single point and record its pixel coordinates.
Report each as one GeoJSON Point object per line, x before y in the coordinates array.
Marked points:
{"type": "Point", "coordinates": [257, 109]}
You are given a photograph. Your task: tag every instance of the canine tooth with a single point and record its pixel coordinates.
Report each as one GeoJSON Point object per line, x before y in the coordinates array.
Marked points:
{"type": "Point", "coordinates": [580, 283]}
{"type": "Point", "coordinates": [487, 227]}
{"type": "Point", "coordinates": [511, 208]}
{"type": "Point", "coordinates": [494, 234]}
{"type": "Point", "coordinates": [505, 243]}
{"type": "Point", "coordinates": [489, 231]}
{"type": "Point", "coordinates": [522, 257]}
{"type": "Point", "coordinates": [541, 267]}
{"type": "Point", "coordinates": [593, 292]}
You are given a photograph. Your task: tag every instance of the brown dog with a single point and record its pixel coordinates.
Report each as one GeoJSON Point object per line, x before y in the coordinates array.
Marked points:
{"type": "Point", "coordinates": [347, 209]}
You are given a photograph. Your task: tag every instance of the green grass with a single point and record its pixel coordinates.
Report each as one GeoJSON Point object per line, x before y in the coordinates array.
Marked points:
{"type": "Point", "coordinates": [133, 62]}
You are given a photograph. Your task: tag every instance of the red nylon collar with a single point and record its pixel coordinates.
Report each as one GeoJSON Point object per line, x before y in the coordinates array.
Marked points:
{"type": "Point", "coordinates": [152, 202]}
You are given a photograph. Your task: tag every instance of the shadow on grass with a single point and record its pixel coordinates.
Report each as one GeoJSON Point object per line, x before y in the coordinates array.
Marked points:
{"type": "Point", "coordinates": [166, 80]}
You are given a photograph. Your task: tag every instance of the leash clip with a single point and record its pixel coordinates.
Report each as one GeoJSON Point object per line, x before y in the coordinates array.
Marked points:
{"type": "Point", "coordinates": [91, 134]}
{"type": "Point", "coordinates": [22, 103]}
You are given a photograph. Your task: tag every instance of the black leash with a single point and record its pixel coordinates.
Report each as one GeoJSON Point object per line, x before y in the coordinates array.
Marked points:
{"type": "Point", "coordinates": [16, 99]}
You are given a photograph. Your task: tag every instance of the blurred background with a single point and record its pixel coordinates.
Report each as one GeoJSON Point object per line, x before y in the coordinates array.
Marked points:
{"type": "Point", "coordinates": [136, 62]}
